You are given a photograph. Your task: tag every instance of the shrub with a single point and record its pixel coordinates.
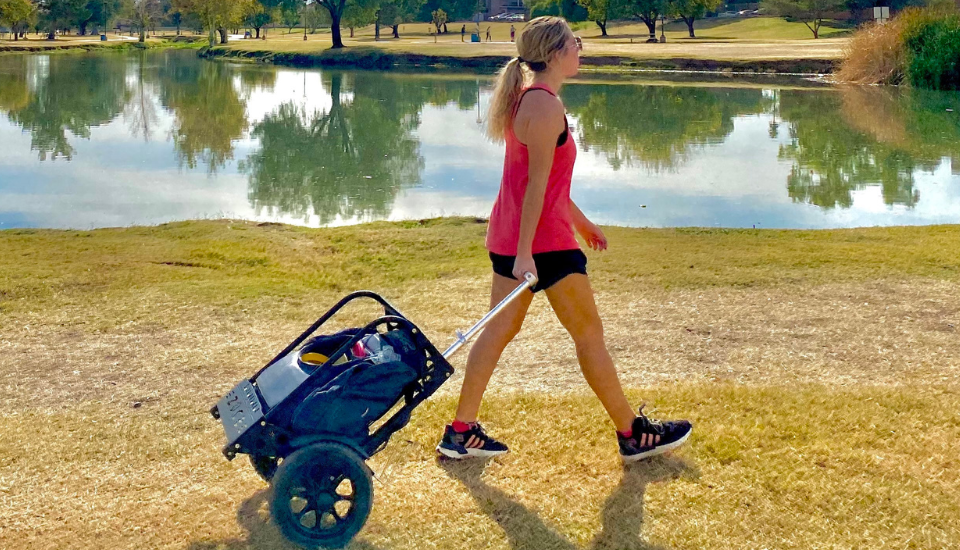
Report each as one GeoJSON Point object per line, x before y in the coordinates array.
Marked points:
{"type": "Point", "coordinates": [919, 47]}
{"type": "Point", "coordinates": [933, 52]}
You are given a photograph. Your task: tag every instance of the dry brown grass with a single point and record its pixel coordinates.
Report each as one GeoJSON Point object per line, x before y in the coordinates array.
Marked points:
{"type": "Point", "coordinates": [875, 55]}
{"type": "Point", "coordinates": [820, 369]}
{"type": "Point", "coordinates": [804, 467]}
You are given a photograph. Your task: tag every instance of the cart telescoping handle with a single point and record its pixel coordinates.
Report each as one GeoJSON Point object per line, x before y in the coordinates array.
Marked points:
{"type": "Point", "coordinates": [530, 280]}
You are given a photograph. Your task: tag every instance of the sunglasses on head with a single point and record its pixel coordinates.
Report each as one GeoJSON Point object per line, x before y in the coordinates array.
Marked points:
{"type": "Point", "coordinates": [579, 43]}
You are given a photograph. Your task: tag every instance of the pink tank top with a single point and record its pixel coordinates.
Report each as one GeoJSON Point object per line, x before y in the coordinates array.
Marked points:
{"type": "Point", "coordinates": [555, 230]}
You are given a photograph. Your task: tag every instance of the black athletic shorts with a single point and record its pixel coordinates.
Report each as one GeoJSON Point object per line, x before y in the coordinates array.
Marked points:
{"type": "Point", "coordinates": [551, 266]}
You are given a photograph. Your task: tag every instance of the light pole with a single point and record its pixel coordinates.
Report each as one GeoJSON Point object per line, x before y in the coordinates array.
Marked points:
{"type": "Point", "coordinates": [305, 20]}
{"type": "Point", "coordinates": [103, 32]}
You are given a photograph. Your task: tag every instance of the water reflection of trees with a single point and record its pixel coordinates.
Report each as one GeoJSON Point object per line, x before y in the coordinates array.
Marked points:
{"type": "Point", "coordinates": [140, 111]}
{"type": "Point", "coordinates": [655, 126]}
{"type": "Point", "coordinates": [843, 142]}
{"type": "Point", "coordinates": [209, 114]}
{"type": "Point", "coordinates": [349, 160]}
{"type": "Point", "coordinates": [48, 96]}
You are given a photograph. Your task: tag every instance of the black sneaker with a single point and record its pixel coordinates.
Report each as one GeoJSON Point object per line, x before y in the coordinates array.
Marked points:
{"type": "Point", "coordinates": [473, 442]}
{"type": "Point", "coordinates": [652, 437]}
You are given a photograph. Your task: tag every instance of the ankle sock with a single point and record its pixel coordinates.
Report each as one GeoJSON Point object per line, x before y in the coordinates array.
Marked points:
{"type": "Point", "coordinates": [627, 433]}
{"type": "Point", "coordinates": [461, 427]}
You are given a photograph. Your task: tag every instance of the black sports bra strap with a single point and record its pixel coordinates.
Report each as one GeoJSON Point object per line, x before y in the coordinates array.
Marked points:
{"type": "Point", "coordinates": [562, 138]}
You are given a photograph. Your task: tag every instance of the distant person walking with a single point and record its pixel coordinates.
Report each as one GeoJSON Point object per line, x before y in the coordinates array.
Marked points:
{"type": "Point", "coordinates": [488, 34]}
{"type": "Point", "coordinates": [513, 33]}
{"type": "Point", "coordinates": [463, 32]}
{"type": "Point", "coordinates": [533, 229]}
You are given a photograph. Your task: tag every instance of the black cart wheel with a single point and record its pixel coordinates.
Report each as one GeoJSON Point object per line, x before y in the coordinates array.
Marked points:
{"type": "Point", "coordinates": [322, 495]}
{"type": "Point", "coordinates": [266, 466]}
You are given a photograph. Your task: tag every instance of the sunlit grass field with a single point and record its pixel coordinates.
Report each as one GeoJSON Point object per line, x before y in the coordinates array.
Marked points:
{"type": "Point", "coordinates": [820, 369]}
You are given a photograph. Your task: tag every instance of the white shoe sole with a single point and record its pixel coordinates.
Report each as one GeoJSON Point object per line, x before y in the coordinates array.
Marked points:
{"type": "Point", "coordinates": [656, 451]}
{"type": "Point", "coordinates": [471, 453]}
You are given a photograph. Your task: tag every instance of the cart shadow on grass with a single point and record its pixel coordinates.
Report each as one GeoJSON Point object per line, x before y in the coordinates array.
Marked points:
{"type": "Point", "coordinates": [261, 532]}
{"type": "Point", "coordinates": [621, 516]}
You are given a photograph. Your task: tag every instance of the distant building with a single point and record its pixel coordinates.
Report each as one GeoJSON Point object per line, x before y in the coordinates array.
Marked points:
{"type": "Point", "coordinates": [497, 7]}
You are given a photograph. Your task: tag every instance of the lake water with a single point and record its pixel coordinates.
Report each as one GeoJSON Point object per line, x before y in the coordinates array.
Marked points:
{"type": "Point", "coordinates": [136, 139]}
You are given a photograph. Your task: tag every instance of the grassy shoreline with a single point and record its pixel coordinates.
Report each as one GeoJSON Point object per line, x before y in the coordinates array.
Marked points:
{"type": "Point", "coordinates": [820, 369]}
{"type": "Point", "coordinates": [64, 46]}
{"type": "Point", "coordinates": [366, 57]}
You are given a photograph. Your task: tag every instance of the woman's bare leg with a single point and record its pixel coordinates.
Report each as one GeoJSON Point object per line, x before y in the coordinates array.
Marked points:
{"type": "Point", "coordinates": [572, 300]}
{"type": "Point", "coordinates": [489, 346]}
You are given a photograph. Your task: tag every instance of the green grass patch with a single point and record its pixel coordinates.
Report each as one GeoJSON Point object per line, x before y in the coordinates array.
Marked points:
{"type": "Point", "coordinates": [221, 262]}
{"type": "Point", "coordinates": [755, 28]}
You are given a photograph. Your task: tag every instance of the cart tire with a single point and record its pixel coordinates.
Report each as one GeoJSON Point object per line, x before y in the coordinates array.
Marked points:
{"type": "Point", "coordinates": [266, 466]}
{"type": "Point", "coordinates": [322, 495]}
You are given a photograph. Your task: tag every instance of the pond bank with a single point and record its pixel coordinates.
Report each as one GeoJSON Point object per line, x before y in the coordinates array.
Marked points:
{"type": "Point", "coordinates": [375, 58]}
{"type": "Point", "coordinates": [50, 46]}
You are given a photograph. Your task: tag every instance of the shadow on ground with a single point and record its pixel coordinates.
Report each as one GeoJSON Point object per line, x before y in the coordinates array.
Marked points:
{"type": "Point", "coordinates": [262, 534]}
{"type": "Point", "coordinates": [621, 516]}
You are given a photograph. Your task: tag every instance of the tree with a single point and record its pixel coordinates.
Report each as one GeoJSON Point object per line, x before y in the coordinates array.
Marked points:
{"type": "Point", "coordinates": [691, 10]}
{"type": "Point", "coordinates": [58, 15]}
{"type": "Point", "coordinates": [335, 8]}
{"type": "Point", "coordinates": [98, 12]}
{"type": "Point", "coordinates": [290, 16]}
{"type": "Point", "coordinates": [810, 12]}
{"type": "Point", "coordinates": [143, 13]}
{"type": "Point", "coordinates": [215, 15]}
{"type": "Point", "coordinates": [16, 14]}
{"type": "Point", "coordinates": [439, 18]}
{"type": "Point", "coordinates": [257, 16]}
{"type": "Point", "coordinates": [649, 12]}
{"type": "Point", "coordinates": [456, 10]}
{"type": "Point", "coordinates": [356, 15]}
{"type": "Point", "coordinates": [396, 12]}
{"type": "Point", "coordinates": [602, 11]}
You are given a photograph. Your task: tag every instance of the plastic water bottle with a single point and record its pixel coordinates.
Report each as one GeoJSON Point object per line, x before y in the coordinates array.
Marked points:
{"type": "Point", "coordinates": [373, 348]}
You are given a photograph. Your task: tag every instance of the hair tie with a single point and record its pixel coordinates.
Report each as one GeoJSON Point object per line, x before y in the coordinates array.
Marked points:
{"type": "Point", "coordinates": [522, 60]}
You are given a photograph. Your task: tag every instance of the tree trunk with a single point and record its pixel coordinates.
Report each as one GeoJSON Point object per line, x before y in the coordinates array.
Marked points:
{"type": "Point", "coordinates": [376, 28]}
{"type": "Point", "coordinates": [258, 31]}
{"type": "Point", "coordinates": [652, 27]}
{"type": "Point", "coordinates": [335, 30]}
{"type": "Point", "coordinates": [351, 32]}
{"type": "Point", "coordinates": [396, 31]}
{"type": "Point", "coordinates": [223, 35]}
{"type": "Point", "coordinates": [83, 28]}
{"type": "Point", "coordinates": [603, 27]}
{"type": "Point", "coordinates": [143, 34]}
{"type": "Point", "coordinates": [689, 23]}
{"type": "Point", "coordinates": [445, 31]}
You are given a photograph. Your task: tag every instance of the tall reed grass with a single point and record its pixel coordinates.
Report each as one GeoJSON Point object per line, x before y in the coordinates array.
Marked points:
{"type": "Point", "coordinates": [920, 47]}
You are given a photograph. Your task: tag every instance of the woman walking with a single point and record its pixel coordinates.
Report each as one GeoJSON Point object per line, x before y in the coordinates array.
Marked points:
{"type": "Point", "coordinates": [532, 230]}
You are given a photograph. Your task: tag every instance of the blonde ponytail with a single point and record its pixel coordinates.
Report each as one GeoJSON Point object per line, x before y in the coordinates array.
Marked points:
{"type": "Point", "coordinates": [505, 95]}
{"type": "Point", "coordinates": [539, 40]}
